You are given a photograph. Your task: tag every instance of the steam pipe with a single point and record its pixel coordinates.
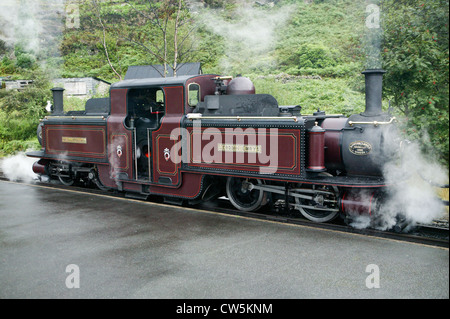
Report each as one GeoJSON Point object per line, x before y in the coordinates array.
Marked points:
{"type": "Point", "coordinates": [58, 104]}
{"type": "Point", "coordinates": [374, 90]}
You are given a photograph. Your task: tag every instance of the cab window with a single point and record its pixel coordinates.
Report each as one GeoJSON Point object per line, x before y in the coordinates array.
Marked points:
{"type": "Point", "coordinates": [193, 94]}
{"type": "Point", "coordinates": [143, 102]}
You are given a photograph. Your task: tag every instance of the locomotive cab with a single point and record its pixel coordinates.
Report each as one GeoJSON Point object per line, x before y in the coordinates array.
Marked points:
{"type": "Point", "coordinates": [145, 109]}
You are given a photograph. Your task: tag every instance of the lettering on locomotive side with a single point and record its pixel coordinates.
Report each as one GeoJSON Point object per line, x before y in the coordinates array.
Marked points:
{"type": "Point", "coordinates": [239, 148]}
{"type": "Point", "coordinates": [230, 147]}
{"type": "Point", "coordinates": [360, 148]}
{"type": "Point", "coordinates": [74, 140]}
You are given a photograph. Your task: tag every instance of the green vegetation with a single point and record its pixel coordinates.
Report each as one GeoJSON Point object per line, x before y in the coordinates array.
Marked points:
{"type": "Point", "coordinates": [310, 53]}
{"type": "Point", "coordinates": [416, 54]}
{"type": "Point", "coordinates": [20, 112]}
{"type": "Point", "coordinates": [330, 95]}
{"type": "Point", "coordinates": [324, 39]}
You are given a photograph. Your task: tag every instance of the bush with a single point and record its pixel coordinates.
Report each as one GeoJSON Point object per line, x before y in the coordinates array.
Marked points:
{"type": "Point", "coordinates": [15, 146]}
{"type": "Point", "coordinates": [20, 112]}
{"type": "Point", "coordinates": [7, 66]}
{"type": "Point", "coordinates": [315, 56]}
{"type": "Point", "coordinates": [25, 61]}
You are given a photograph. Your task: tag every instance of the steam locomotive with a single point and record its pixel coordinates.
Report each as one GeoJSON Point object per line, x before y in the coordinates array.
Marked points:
{"type": "Point", "coordinates": [195, 138]}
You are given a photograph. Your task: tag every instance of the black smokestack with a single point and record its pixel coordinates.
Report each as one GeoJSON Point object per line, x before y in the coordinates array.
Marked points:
{"type": "Point", "coordinates": [374, 90]}
{"type": "Point", "coordinates": [58, 104]}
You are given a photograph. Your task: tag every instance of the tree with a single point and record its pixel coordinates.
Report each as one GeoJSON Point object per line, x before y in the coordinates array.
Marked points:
{"type": "Point", "coordinates": [96, 8]}
{"type": "Point", "coordinates": [416, 57]}
{"type": "Point", "coordinates": [172, 20]}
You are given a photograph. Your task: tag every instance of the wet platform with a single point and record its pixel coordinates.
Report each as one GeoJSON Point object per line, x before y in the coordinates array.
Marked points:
{"type": "Point", "coordinates": [124, 248]}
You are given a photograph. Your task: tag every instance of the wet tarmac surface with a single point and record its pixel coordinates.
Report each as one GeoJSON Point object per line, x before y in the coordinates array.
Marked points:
{"type": "Point", "coordinates": [129, 249]}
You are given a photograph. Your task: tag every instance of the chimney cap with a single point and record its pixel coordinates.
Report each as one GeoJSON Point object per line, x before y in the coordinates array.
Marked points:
{"type": "Point", "coordinates": [368, 71]}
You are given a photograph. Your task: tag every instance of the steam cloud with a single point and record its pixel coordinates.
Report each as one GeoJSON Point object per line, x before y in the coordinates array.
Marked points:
{"type": "Point", "coordinates": [34, 25]}
{"type": "Point", "coordinates": [416, 198]}
{"type": "Point", "coordinates": [249, 36]}
{"type": "Point", "coordinates": [412, 197]}
{"type": "Point", "coordinates": [18, 168]}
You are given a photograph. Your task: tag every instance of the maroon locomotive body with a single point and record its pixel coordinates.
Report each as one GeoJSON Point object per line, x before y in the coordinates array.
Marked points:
{"type": "Point", "coordinates": [202, 136]}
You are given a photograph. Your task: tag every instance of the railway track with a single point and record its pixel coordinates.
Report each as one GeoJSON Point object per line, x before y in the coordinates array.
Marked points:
{"type": "Point", "coordinates": [435, 234]}
{"type": "Point", "coordinates": [424, 234]}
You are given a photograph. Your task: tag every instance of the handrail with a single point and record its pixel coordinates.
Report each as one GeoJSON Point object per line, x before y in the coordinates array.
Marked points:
{"type": "Point", "coordinates": [375, 123]}
{"type": "Point", "coordinates": [198, 116]}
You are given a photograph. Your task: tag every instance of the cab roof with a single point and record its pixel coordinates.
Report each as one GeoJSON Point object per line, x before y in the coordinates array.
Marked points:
{"type": "Point", "coordinates": [138, 83]}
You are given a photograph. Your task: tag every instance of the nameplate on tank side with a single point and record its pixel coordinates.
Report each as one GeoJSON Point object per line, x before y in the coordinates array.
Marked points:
{"type": "Point", "coordinates": [360, 148]}
{"type": "Point", "coordinates": [239, 148]}
{"type": "Point", "coordinates": [74, 140]}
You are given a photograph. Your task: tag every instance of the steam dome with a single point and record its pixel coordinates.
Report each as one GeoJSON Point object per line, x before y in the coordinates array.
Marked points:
{"type": "Point", "coordinates": [240, 85]}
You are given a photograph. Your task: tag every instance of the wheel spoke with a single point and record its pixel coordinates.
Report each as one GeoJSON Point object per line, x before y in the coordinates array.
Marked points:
{"type": "Point", "coordinates": [323, 206]}
{"type": "Point", "coordinates": [241, 196]}
{"type": "Point", "coordinates": [68, 181]}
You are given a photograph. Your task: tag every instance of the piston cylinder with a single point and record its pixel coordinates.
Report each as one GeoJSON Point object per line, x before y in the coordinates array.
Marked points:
{"type": "Point", "coordinates": [359, 203]}
{"type": "Point", "coordinates": [40, 167]}
{"type": "Point", "coordinates": [316, 156]}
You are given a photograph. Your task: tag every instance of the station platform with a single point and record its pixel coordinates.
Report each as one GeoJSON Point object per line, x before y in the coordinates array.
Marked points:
{"type": "Point", "coordinates": [66, 244]}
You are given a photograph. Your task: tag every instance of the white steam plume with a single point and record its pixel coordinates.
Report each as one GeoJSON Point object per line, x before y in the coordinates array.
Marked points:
{"type": "Point", "coordinates": [412, 194]}
{"type": "Point", "coordinates": [18, 168]}
{"type": "Point", "coordinates": [416, 198]}
{"type": "Point", "coordinates": [35, 25]}
{"type": "Point", "coordinates": [249, 35]}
